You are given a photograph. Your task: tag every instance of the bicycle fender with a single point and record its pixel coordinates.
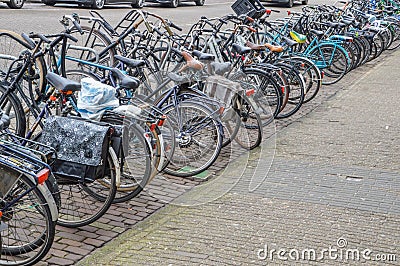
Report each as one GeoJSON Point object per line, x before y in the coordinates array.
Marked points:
{"type": "Point", "coordinates": [50, 200]}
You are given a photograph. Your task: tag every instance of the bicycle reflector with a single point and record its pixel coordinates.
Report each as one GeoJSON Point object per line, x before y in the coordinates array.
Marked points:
{"type": "Point", "coordinates": [268, 11]}
{"type": "Point", "coordinates": [250, 92]}
{"type": "Point", "coordinates": [322, 74]}
{"type": "Point", "coordinates": [161, 121]}
{"type": "Point", "coordinates": [153, 127]}
{"type": "Point", "coordinates": [288, 12]}
{"type": "Point", "coordinates": [43, 175]}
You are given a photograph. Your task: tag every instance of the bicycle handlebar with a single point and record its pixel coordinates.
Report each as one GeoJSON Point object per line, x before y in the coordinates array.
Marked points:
{"type": "Point", "coordinates": [173, 25]}
{"type": "Point", "coordinates": [40, 36]}
{"type": "Point", "coordinates": [28, 40]}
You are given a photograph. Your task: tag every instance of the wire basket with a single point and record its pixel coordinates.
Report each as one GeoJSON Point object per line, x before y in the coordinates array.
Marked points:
{"type": "Point", "coordinates": [251, 8]}
{"type": "Point", "coordinates": [221, 89]}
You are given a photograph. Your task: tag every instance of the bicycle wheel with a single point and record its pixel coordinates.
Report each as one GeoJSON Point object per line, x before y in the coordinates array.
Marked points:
{"type": "Point", "coordinates": [367, 49]}
{"type": "Point", "coordinates": [13, 45]}
{"type": "Point", "coordinates": [95, 40]}
{"type": "Point", "coordinates": [79, 200]}
{"type": "Point", "coordinates": [360, 50]}
{"type": "Point", "coordinates": [268, 93]}
{"type": "Point", "coordinates": [198, 138]}
{"type": "Point", "coordinates": [332, 59]}
{"type": "Point", "coordinates": [377, 46]}
{"type": "Point", "coordinates": [311, 75]}
{"type": "Point", "coordinates": [134, 159]}
{"type": "Point", "coordinates": [249, 132]}
{"type": "Point", "coordinates": [395, 29]}
{"type": "Point", "coordinates": [296, 92]}
{"type": "Point", "coordinates": [28, 227]}
{"type": "Point", "coordinates": [12, 107]}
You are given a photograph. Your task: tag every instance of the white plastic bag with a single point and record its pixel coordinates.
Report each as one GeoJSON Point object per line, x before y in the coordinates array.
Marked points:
{"type": "Point", "coordinates": [95, 97]}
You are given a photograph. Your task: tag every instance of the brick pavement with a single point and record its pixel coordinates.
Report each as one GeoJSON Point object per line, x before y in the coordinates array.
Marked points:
{"type": "Point", "coordinates": [333, 176]}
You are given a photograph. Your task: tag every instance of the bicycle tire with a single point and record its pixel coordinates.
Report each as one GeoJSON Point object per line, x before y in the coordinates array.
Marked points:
{"type": "Point", "coordinates": [185, 162]}
{"type": "Point", "coordinates": [311, 74]}
{"type": "Point", "coordinates": [249, 133]}
{"type": "Point", "coordinates": [79, 200]}
{"type": "Point", "coordinates": [13, 108]}
{"type": "Point", "coordinates": [268, 93]}
{"type": "Point", "coordinates": [96, 40]}
{"type": "Point", "coordinates": [296, 92]}
{"type": "Point", "coordinates": [330, 57]}
{"type": "Point", "coordinates": [12, 43]}
{"type": "Point", "coordinates": [130, 186]}
{"type": "Point", "coordinates": [30, 232]}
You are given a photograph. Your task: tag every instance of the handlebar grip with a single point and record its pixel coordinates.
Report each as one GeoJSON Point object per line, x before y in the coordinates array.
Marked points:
{"type": "Point", "coordinates": [173, 25]}
{"type": "Point", "coordinates": [222, 21]}
{"type": "Point", "coordinates": [77, 26]}
{"type": "Point", "coordinates": [108, 27]}
{"type": "Point", "coordinates": [29, 41]}
{"type": "Point", "coordinates": [72, 38]}
{"type": "Point", "coordinates": [205, 19]}
{"type": "Point", "coordinates": [43, 38]}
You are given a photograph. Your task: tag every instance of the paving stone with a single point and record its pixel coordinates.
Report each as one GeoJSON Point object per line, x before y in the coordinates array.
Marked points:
{"type": "Point", "coordinates": [59, 261]}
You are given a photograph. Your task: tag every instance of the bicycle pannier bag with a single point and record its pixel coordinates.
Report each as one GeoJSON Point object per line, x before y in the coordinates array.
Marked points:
{"type": "Point", "coordinates": [81, 147]}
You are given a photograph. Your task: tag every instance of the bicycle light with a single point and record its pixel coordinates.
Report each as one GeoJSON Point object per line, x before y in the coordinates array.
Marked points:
{"type": "Point", "coordinates": [43, 175]}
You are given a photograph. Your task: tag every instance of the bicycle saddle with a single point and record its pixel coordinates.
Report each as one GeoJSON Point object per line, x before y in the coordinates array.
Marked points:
{"type": "Point", "coordinates": [126, 82]}
{"type": "Point", "coordinates": [289, 42]}
{"type": "Point", "coordinates": [4, 121]}
{"type": "Point", "coordinates": [317, 32]}
{"type": "Point", "coordinates": [274, 48]}
{"type": "Point", "coordinates": [203, 56]}
{"type": "Point", "coordinates": [341, 38]}
{"type": "Point", "coordinates": [300, 38]}
{"type": "Point", "coordinates": [62, 84]}
{"type": "Point", "coordinates": [255, 47]}
{"type": "Point", "coordinates": [220, 68]}
{"type": "Point", "coordinates": [130, 62]}
{"type": "Point", "coordinates": [177, 78]}
{"type": "Point", "coordinates": [240, 49]}
{"type": "Point", "coordinates": [191, 62]}
{"type": "Point", "coordinates": [347, 22]}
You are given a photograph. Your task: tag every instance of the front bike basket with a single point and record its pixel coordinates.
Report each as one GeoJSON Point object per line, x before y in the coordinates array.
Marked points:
{"type": "Point", "coordinates": [251, 8]}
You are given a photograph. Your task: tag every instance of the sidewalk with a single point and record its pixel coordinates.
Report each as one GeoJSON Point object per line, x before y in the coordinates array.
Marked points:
{"type": "Point", "coordinates": [333, 184]}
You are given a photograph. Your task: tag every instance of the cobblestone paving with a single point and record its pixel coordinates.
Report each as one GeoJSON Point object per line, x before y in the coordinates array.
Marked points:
{"type": "Point", "coordinates": [334, 183]}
